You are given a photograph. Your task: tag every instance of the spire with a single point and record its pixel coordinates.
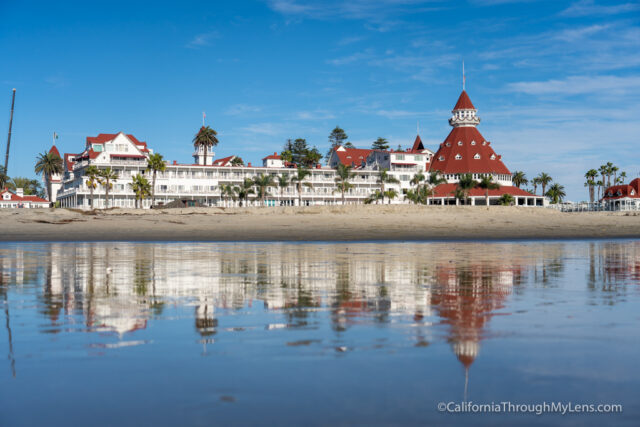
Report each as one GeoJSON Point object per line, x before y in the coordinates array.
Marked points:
{"type": "Point", "coordinates": [463, 77]}
{"type": "Point", "coordinates": [464, 113]}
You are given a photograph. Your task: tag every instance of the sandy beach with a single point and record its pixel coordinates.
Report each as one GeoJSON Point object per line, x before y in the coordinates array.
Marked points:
{"type": "Point", "coordinates": [319, 223]}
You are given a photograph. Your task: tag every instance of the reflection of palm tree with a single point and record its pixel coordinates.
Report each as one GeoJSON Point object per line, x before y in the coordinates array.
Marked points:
{"type": "Point", "coordinates": [8, 326]}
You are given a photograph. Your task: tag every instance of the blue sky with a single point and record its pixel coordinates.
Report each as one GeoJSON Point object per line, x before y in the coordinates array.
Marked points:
{"type": "Point", "coordinates": [556, 83]}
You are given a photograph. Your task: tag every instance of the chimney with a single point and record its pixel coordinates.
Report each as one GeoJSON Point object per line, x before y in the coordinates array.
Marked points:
{"type": "Point", "coordinates": [249, 164]}
{"type": "Point", "coordinates": [19, 192]}
{"type": "Point", "coordinates": [175, 162]}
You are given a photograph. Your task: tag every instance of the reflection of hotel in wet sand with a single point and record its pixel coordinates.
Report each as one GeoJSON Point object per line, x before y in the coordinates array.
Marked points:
{"type": "Point", "coordinates": [118, 287]}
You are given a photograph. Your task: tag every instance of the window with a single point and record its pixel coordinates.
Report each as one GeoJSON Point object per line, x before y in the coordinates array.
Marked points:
{"type": "Point", "coordinates": [418, 158]}
{"type": "Point", "coordinates": [484, 142]}
{"type": "Point", "coordinates": [441, 158]}
{"type": "Point", "coordinates": [399, 156]}
{"type": "Point", "coordinates": [473, 143]}
{"type": "Point", "coordinates": [448, 144]}
{"type": "Point", "coordinates": [493, 157]}
{"type": "Point", "coordinates": [477, 156]}
{"type": "Point", "coordinates": [459, 142]}
{"type": "Point", "coordinates": [458, 157]}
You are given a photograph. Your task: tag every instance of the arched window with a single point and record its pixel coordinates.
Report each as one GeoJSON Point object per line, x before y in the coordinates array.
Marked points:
{"type": "Point", "coordinates": [441, 158]}
{"type": "Point", "coordinates": [458, 157]}
{"type": "Point", "coordinates": [477, 156]}
{"type": "Point", "coordinates": [493, 157]}
{"type": "Point", "coordinates": [459, 142]}
{"type": "Point", "coordinates": [473, 143]}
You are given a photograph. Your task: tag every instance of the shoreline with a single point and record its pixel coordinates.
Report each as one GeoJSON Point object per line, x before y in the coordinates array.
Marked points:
{"type": "Point", "coordinates": [350, 223]}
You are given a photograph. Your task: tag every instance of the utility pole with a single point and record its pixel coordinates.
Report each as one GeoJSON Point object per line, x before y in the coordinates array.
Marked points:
{"type": "Point", "coordinates": [6, 158]}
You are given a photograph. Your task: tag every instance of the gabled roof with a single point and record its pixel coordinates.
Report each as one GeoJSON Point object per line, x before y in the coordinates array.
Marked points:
{"type": "Point", "coordinates": [352, 156]}
{"type": "Point", "coordinates": [16, 198]}
{"type": "Point", "coordinates": [106, 137]}
{"type": "Point", "coordinates": [225, 161]}
{"type": "Point", "coordinates": [274, 156]}
{"type": "Point", "coordinates": [472, 145]}
{"type": "Point", "coordinates": [68, 162]}
{"type": "Point", "coordinates": [464, 103]}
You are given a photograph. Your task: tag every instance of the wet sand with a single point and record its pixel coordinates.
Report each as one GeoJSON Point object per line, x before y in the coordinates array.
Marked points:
{"type": "Point", "coordinates": [318, 223]}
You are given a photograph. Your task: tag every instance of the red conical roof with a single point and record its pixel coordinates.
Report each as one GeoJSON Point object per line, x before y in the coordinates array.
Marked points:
{"type": "Point", "coordinates": [417, 145]}
{"type": "Point", "coordinates": [54, 150]}
{"type": "Point", "coordinates": [464, 103]}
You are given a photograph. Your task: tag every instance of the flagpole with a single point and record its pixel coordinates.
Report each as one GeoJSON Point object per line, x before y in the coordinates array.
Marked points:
{"type": "Point", "coordinates": [6, 158]}
{"type": "Point", "coordinates": [463, 77]}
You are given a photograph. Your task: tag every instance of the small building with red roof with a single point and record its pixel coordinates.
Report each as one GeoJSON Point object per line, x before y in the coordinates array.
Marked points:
{"type": "Point", "coordinates": [273, 161]}
{"type": "Point", "coordinates": [623, 197]}
{"type": "Point", "coordinates": [17, 199]}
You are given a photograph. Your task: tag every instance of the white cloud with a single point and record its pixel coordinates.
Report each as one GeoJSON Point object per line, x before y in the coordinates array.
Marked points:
{"type": "Point", "coordinates": [241, 109]}
{"type": "Point", "coordinates": [589, 7]}
{"type": "Point", "coordinates": [202, 40]}
{"type": "Point", "coordinates": [580, 85]}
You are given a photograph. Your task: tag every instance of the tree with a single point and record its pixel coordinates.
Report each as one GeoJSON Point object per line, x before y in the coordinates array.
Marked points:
{"type": "Point", "coordinates": [380, 144]}
{"type": "Point", "coordinates": [603, 171]}
{"type": "Point", "coordinates": [227, 192]}
{"type": "Point", "coordinates": [237, 161]}
{"type": "Point", "coordinates": [591, 176]}
{"type": "Point", "coordinates": [506, 200]}
{"type": "Point", "coordinates": [519, 178]}
{"type": "Point", "coordinates": [556, 193]}
{"type": "Point", "coordinates": [47, 165]}
{"type": "Point", "coordinates": [337, 137]}
{"type": "Point", "coordinates": [385, 178]}
{"type": "Point", "coordinates": [614, 170]}
{"type": "Point", "coordinates": [141, 188]}
{"type": "Point", "coordinates": [30, 187]}
{"type": "Point", "coordinates": [311, 158]}
{"type": "Point", "coordinates": [155, 163]}
{"type": "Point", "coordinates": [544, 180]}
{"type": "Point", "coordinates": [93, 175]}
{"type": "Point", "coordinates": [600, 185]}
{"type": "Point", "coordinates": [373, 197]}
{"type": "Point", "coordinates": [535, 182]}
{"type": "Point", "coordinates": [434, 180]}
{"type": "Point", "coordinates": [458, 194]}
{"type": "Point", "coordinates": [343, 175]}
{"type": "Point", "coordinates": [622, 178]}
{"type": "Point", "coordinates": [282, 182]}
{"type": "Point", "coordinates": [262, 183]}
{"type": "Point", "coordinates": [466, 183]}
{"type": "Point", "coordinates": [299, 180]}
{"type": "Point", "coordinates": [4, 178]}
{"type": "Point", "coordinates": [108, 176]}
{"type": "Point", "coordinates": [205, 138]}
{"type": "Point", "coordinates": [487, 184]}
{"type": "Point", "coordinates": [417, 179]}
{"type": "Point", "coordinates": [244, 190]}
{"type": "Point", "coordinates": [391, 194]}
{"type": "Point", "coordinates": [286, 156]}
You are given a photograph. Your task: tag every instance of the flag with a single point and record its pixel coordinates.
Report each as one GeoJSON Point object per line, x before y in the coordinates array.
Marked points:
{"type": "Point", "coordinates": [55, 135]}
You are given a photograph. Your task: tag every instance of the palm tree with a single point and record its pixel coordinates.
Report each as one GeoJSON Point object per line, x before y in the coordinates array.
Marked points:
{"type": "Point", "coordinates": [519, 178]}
{"type": "Point", "coordinates": [600, 185]}
{"type": "Point", "coordinates": [262, 183]}
{"type": "Point", "coordinates": [205, 138]}
{"type": "Point", "coordinates": [298, 180]}
{"type": "Point", "coordinates": [506, 200]}
{"type": "Point", "coordinates": [385, 178]}
{"type": "Point", "coordinates": [544, 180]}
{"type": "Point", "coordinates": [417, 179]}
{"type": "Point", "coordinates": [466, 183]}
{"type": "Point", "coordinates": [47, 165]}
{"type": "Point", "coordinates": [614, 170]}
{"type": "Point", "coordinates": [487, 184]}
{"type": "Point", "coordinates": [227, 191]}
{"type": "Point", "coordinates": [343, 175]}
{"type": "Point", "coordinates": [535, 181]}
{"type": "Point", "coordinates": [458, 194]}
{"type": "Point", "coordinates": [603, 171]}
{"type": "Point", "coordinates": [622, 178]}
{"type": "Point", "coordinates": [245, 189]}
{"type": "Point", "coordinates": [155, 163]}
{"type": "Point", "coordinates": [556, 193]}
{"type": "Point", "coordinates": [108, 176]}
{"type": "Point", "coordinates": [391, 194]}
{"type": "Point", "coordinates": [93, 175]}
{"type": "Point", "coordinates": [282, 182]}
{"type": "Point", "coordinates": [434, 180]}
{"type": "Point", "coordinates": [4, 178]}
{"type": "Point", "coordinates": [591, 175]}
{"type": "Point", "coordinates": [374, 197]}
{"type": "Point", "coordinates": [141, 188]}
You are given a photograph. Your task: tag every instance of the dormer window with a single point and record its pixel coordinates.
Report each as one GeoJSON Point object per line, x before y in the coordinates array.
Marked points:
{"type": "Point", "coordinates": [459, 142]}
{"type": "Point", "coordinates": [441, 158]}
{"type": "Point", "coordinates": [633, 192]}
{"type": "Point", "coordinates": [477, 156]}
{"type": "Point", "coordinates": [493, 157]}
{"type": "Point", "coordinates": [473, 143]}
{"type": "Point", "coordinates": [619, 193]}
{"type": "Point", "coordinates": [458, 157]}
{"type": "Point", "coordinates": [484, 142]}
{"type": "Point", "coordinates": [448, 144]}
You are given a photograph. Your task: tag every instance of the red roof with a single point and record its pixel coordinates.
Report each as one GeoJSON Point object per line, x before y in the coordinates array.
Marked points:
{"type": "Point", "coordinates": [446, 190]}
{"type": "Point", "coordinates": [16, 198]}
{"type": "Point", "coordinates": [445, 158]}
{"type": "Point", "coordinates": [54, 150]}
{"type": "Point", "coordinates": [417, 144]}
{"type": "Point", "coordinates": [105, 137]}
{"type": "Point", "coordinates": [630, 190]}
{"type": "Point", "coordinates": [274, 156]}
{"type": "Point", "coordinates": [68, 162]}
{"type": "Point", "coordinates": [223, 161]}
{"type": "Point", "coordinates": [464, 103]}
{"type": "Point", "coordinates": [351, 156]}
